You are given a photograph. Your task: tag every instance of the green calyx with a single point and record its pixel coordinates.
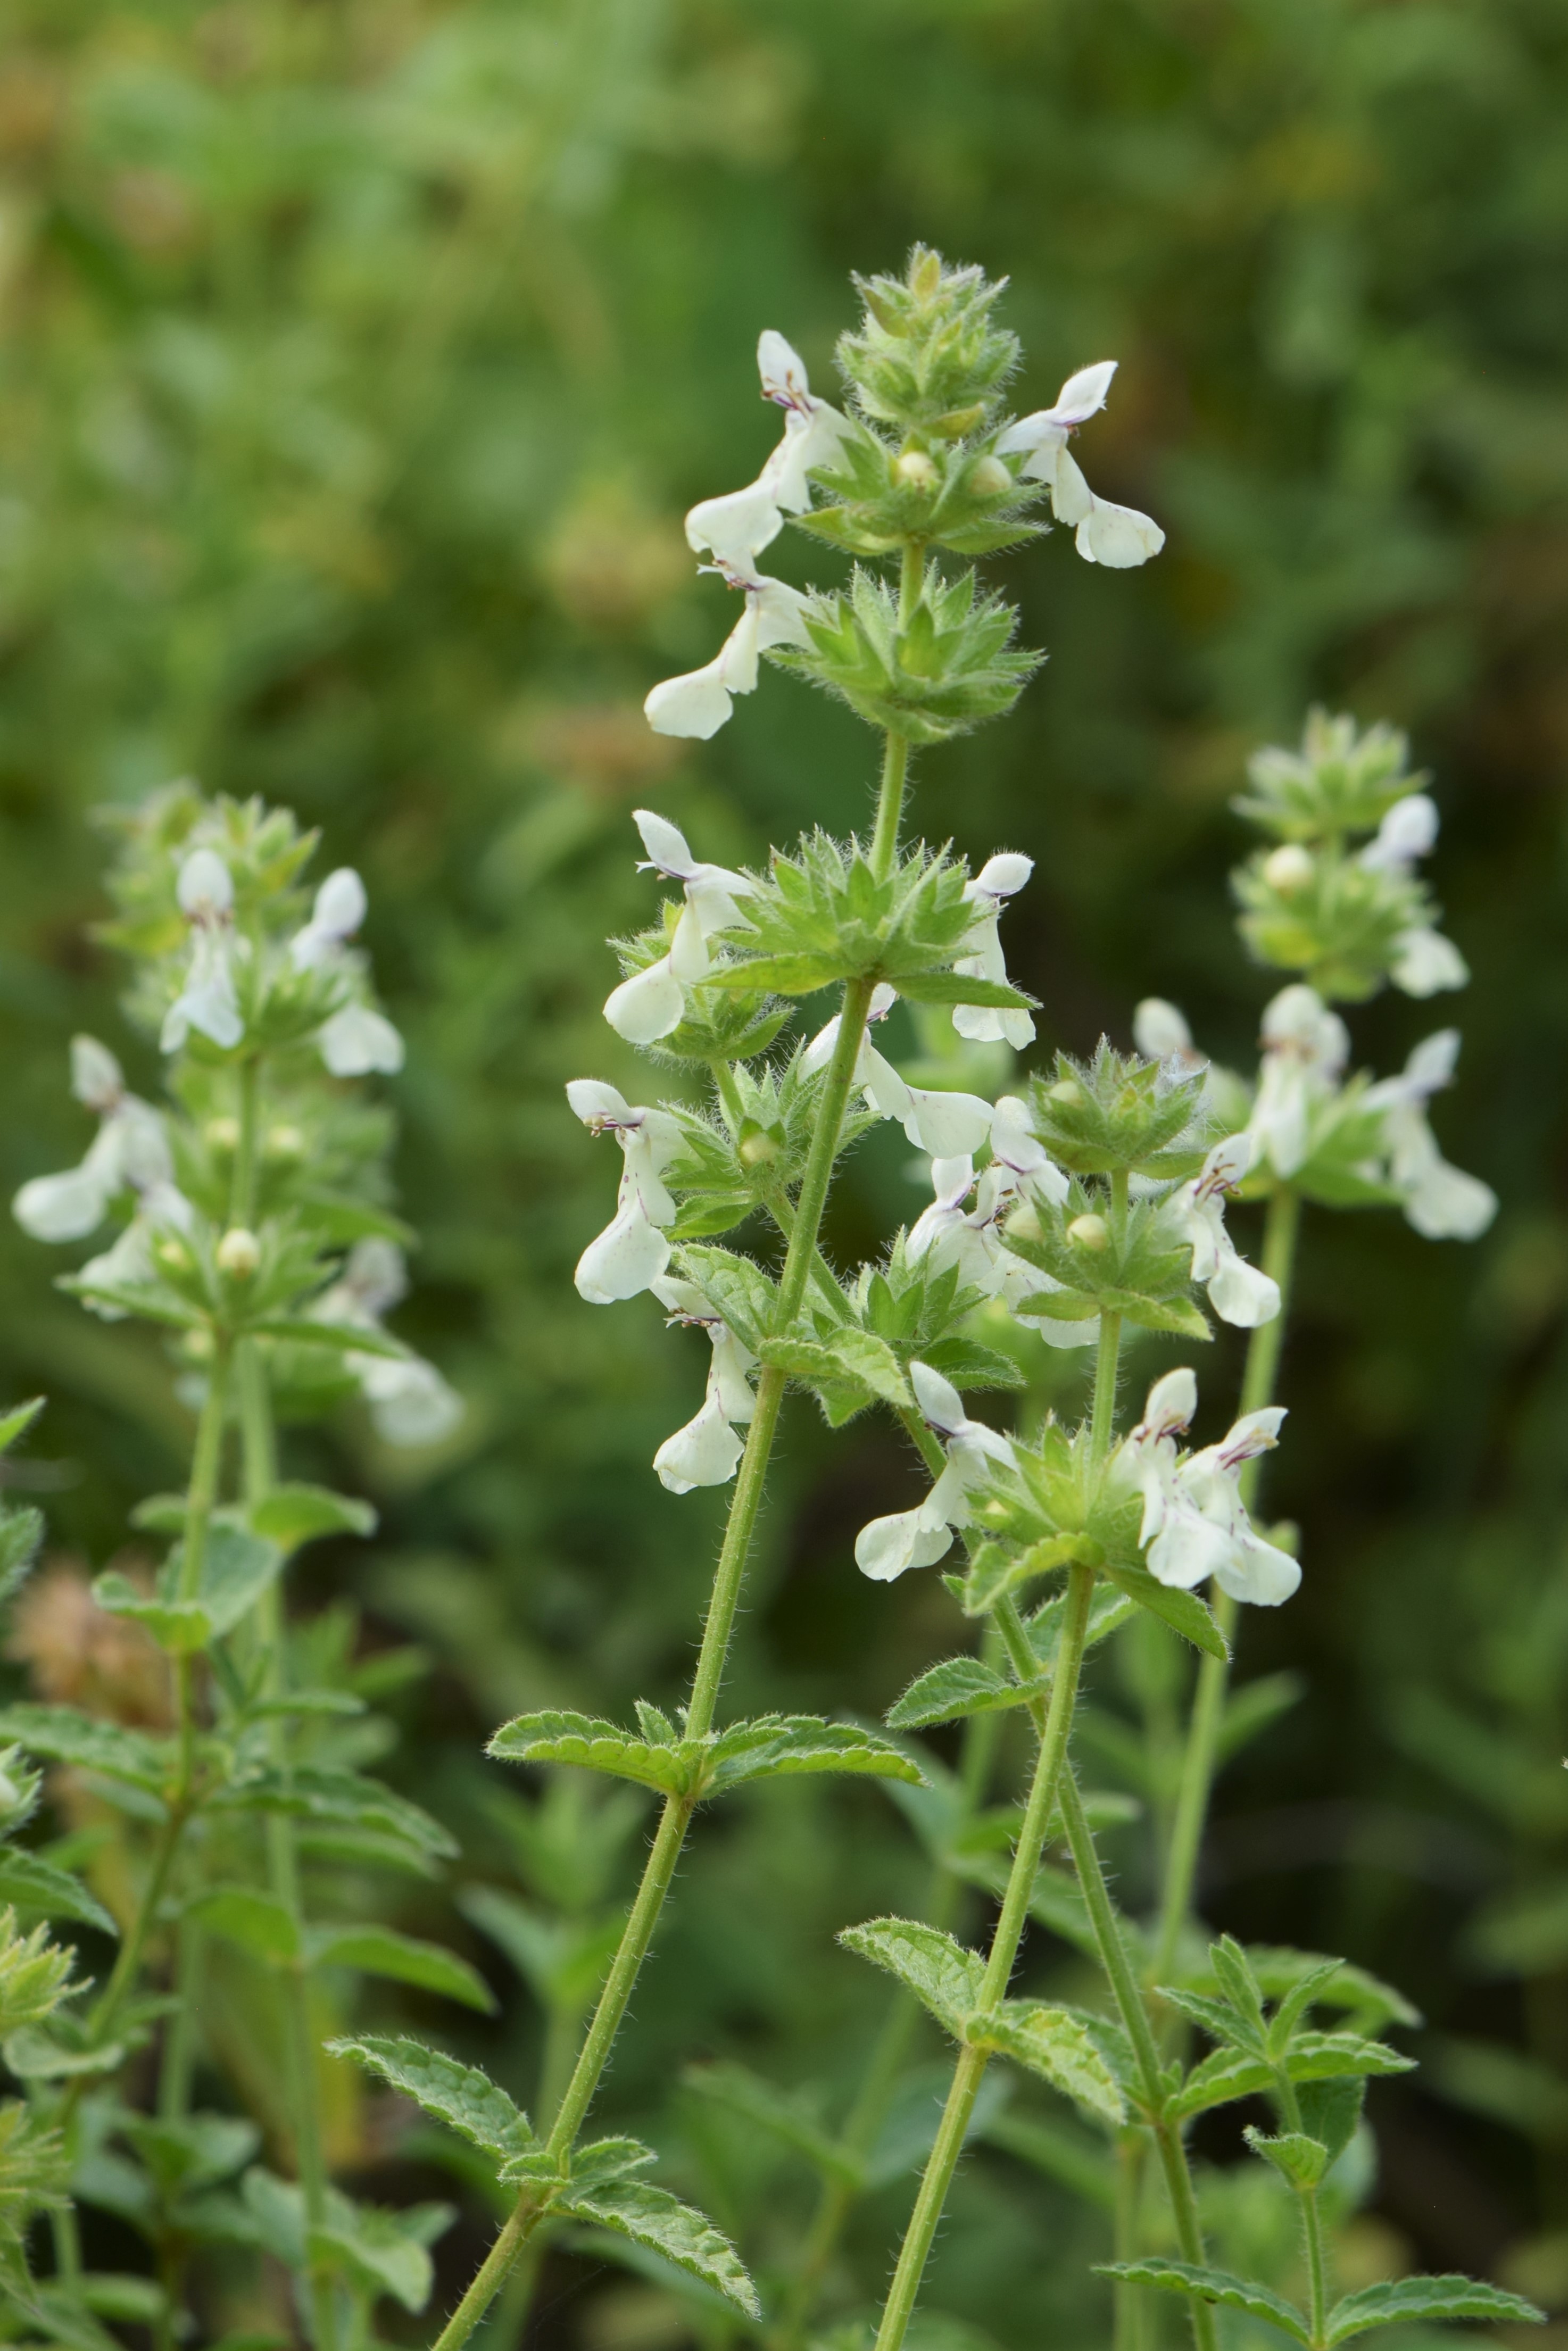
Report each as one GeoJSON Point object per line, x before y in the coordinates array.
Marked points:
{"type": "Point", "coordinates": [1119, 1116]}
{"type": "Point", "coordinates": [928, 357]}
{"type": "Point", "coordinates": [1099, 1262]}
{"type": "Point", "coordinates": [1327, 916]}
{"type": "Point", "coordinates": [933, 672]}
{"type": "Point", "coordinates": [1340, 780]}
{"type": "Point", "coordinates": [960, 495]}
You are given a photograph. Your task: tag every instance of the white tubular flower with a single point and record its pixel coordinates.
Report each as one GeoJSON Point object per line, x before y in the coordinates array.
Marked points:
{"type": "Point", "coordinates": [1195, 1522]}
{"type": "Point", "coordinates": [1407, 832]}
{"type": "Point", "coordinates": [1118, 537]}
{"type": "Point", "coordinates": [161, 1206]}
{"type": "Point", "coordinates": [812, 427]}
{"type": "Point", "coordinates": [1238, 1292]}
{"type": "Point", "coordinates": [974, 1241]}
{"type": "Point", "coordinates": [947, 1125]}
{"type": "Point", "coordinates": [208, 1001]}
{"type": "Point", "coordinates": [357, 1039]}
{"type": "Point", "coordinates": [996, 882]}
{"type": "Point", "coordinates": [707, 1451]}
{"type": "Point", "coordinates": [632, 1251]}
{"type": "Point", "coordinates": [653, 1002]}
{"type": "Point", "coordinates": [1161, 1033]}
{"type": "Point", "coordinates": [410, 1402]}
{"type": "Point", "coordinates": [920, 1538]}
{"type": "Point", "coordinates": [1305, 1048]}
{"type": "Point", "coordinates": [1441, 1202]}
{"type": "Point", "coordinates": [129, 1149]}
{"type": "Point", "coordinates": [1425, 962]}
{"type": "Point", "coordinates": [696, 704]}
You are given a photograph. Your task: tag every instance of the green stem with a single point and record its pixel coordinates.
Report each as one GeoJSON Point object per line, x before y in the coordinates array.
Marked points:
{"type": "Point", "coordinates": [1199, 1764]}
{"type": "Point", "coordinates": [969, 2071]}
{"type": "Point", "coordinates": [176, 2071]}
{"type": "Point", "coordinates": [1102, 1415]}
{"type": "Point", "coordinates": [745, 1507]}
{"type": "Point", "coordinates": [1130, 2302]}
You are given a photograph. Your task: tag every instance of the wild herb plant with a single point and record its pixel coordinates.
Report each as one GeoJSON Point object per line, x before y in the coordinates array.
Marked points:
{"type": "Point", "coordinates": [1090, 1205]}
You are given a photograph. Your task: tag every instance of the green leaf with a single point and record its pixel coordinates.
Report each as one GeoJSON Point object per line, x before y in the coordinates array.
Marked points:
{"type": "Point", "coordinates": [848, 1354]}
{"type": "Point", "coordinates": [1301, 2160]}
{"type": "Point", "coordinates": [387, 2251]}
{"type": "Point", "coordinates": [1232, 2073]}
{"type": "Point", "coordinates": [318, 1793]}
{"type": "Point", "coordinates": [943, 1975]}
{"type": "Point", "coordinates": [592, 1744]}
{"type": "Point", "coordinates": [181, 1626]}
{"type": "Point", "coordinates": [348, 1338]}
{"type": "Point", "coordinates": [34, 2055]}
{"type": "Point", "coordinates": [1400, 2302]}
{"type": "Point", "coordinates": [960, 987]}
{"type": "Point", "coordinates": [1183, 1611]}
{"type": "Point", "coordinates": [292, 1515]}
{"type": "Point", "coordinates": [777, 1747]}
{"type": "Point", "coordinates": [17, 1421]}
{"type": "Point", "coordinates": [652, 2217]}
{"type": "Point", "coordinates": [947, 1692]}
{"type": "Point", "coordinates": [236, 1569]}
{"type": "Point", "coordinates": [1212, 2285]}
{"type": "Point", "coordinates": [997, 1572]}
{"type": "Point", "coordinates": [1056, 2045]}
{"type": "Point", "coordinates": [61, 1735]}
{"type": "Point", "coordinates": [36, 1889]}
{"type": "Point", "coordinates": [460, 2095]}
{"type": "Point", "coordinates": [741, 2092]}
{"type": "Point", "coordinates": [258, 1922]}
{"type": "Point", "coordinates": [381, 1952]}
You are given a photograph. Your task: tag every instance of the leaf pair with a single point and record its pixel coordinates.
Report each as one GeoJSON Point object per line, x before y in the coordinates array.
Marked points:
{"type": "Point", "coordinates": [773, 1747]}
{"type": "Point", "coordinates": [1398, 2301]}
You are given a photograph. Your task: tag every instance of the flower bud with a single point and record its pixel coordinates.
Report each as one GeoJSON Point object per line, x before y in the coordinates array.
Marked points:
{"type": "Point", "coordinates": [758, 1149]}
{"type": "Point", "coordinates": [988, 478]}
{"type": "Point", "coordinates": [1023, 1225]}
{"type": "Point", "coordinates": [1068, 1093]}
{"type": "Point", "coordinates": [1289, 868]}
{"type": "Point", "coordinates": [239, 1253]}
{"type": "Point", "coordinates": [915, 471]}
{"type": "Point", "coordinates": [1089, 1232]}
{"type": "Point", "coordinates": [285, 1143]}
{"type": "Point", "coordinates": [197, 1345]}
{"type": "Point", "coordinates": [174, 1255]}
{"type": "Point", "coordinates": [222, 1133]}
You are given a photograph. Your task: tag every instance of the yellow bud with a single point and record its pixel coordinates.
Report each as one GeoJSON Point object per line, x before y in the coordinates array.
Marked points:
{"type": "Point", "coordinates": [174, 1255]}
{"type": "Point", "coordinates": [285, 1143]}
{"type": "Point", "coordinates": [1068, 1093]}
{"type": "Point", "coordinates": [1089, 1232]}
{"type": "Point", "coordinates": [915, 471]}
{"type": "Point", "coordinates": [1289, 868]}
{"type": "Point", "coordinates": [1023, 1225]}
{"type": "Point", "coordinates": [239, 1253]}
{"type": "Point", "coordinates": [222, 1134]}
{"type": "Point", "coordinates": [988, 478]}
{"type": "Point", "coordinates": [758, 1150]}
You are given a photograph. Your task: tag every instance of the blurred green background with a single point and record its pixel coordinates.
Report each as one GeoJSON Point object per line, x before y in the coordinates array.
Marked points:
{"type": "Point", "coordinates": [357, 359]}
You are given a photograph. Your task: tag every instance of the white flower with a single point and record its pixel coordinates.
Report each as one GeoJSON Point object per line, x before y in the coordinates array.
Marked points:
{"type": "Point", "coordinates": [161, 1206]}
{"type": "Point", "coordinates": [736, 528]}
{"type": "Point", "coordinates": [1407, 832]}
{"type": "Point", "coordinates": [410, 1402]}
{"type": "Point", "coordinates": [974, 1239]}
{"type": "Point", "coordinates": [632, 1251]}
{"type": "Point", "coordinates": [653, 1002]}
{"type": "Point", "coordinates": [355, 1039]}
{"type": "Point", "coordinates": [1161, 1034]}
{"type": "Point", "coordinates": [947, 1125]}
{"type": "Point", "coordinates": [358, 1040]}
{"type": "Point", "coordinates": [130, 1148]}
{"type": "Point", "coordinates": [339, 909]}
{"type": "Point", "coordinates": [1195, 1523]}
{"type": "Point", "coordinates": [1238, 1292]}
{"type": "Point", "coordinates": [207, 1000]}
{"type": "Point", "coordinates": [920, 1538]}
{"type": "Point", "coordinates": [1442, 1202]}
{"type": "Point", "coordinates": [996, 881]}
{"type": "Point", "coordinates": [697, 704]}
{"type": "Point", "coordinates": [1116, 536]}
{"type": "Point", "coordinates": [1425, 962]}
{"type": "Point", "coordinates": [707, 1451]}
{"type": "Point", "coordinates": [1305, 1048]}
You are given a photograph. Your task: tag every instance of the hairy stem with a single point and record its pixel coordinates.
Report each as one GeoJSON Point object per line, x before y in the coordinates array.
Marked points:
{"type": "Point", "coordinates": [969, 2071]}
{"type": "Point", "coordinates": [1198, 1763]}
{"type": "Point", "coordinates": [745, 1507]}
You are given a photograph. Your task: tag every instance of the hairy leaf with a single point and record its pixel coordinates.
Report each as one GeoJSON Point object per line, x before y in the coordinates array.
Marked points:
{"type": "Point", "coordinates": [1212, 2285]}
{"type": "Point", "coordinates": [61, 1735]}
{"type": "Point", "coordinates": [943, 1975]}
{"type": "Point", "coordinates": [460, 2095]}
{"type": "Point", "coordinates": [591, 1743]}
{"type": "Point", "coordinates": [1401, 2302]}
{"type": "Point", "coordinates": [651, 2217]}
{"type": "Point", "coordinates": [1055, 2044]}
{"type": "Point", "coordinates": [381, 1952]}
{"type": "Point", "coordinates": [36, 1889]}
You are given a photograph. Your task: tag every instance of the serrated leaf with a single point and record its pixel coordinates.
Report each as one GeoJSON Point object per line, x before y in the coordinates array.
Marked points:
{"type": "Point", "coordinates": [849, 1355]}
{"type": "Point", "coordinates": [1400, 2302]}
{"type": "Point", "coordinates": [36, 1889]}
{"type": "Point", "coordinates": [780, 1746]}
{"type": "Point", "coordinates": [592, 1744]}
{"type": "Point", "coordinates": [995, 1572]}
{"type": "Point", "coordinates": [318, 1793]}
{"type": "Point", "coordinates": [292, 1515]}
{"type": "Point", "coordinates": [1232, 2073]}
{"type": "Point", "coordinates": [652, 2217]}
{"type": "Point", "coordinates": [381, 1952]}
{"type": "Point", "coordinates": [259, 1923]}
{"type": "Point", "coordinates": [1183, 1611]}
{"type": "Point", "coordinates": [1297, 2157]}
{"type": "Point", "coordinates": [387, 2250]}
{"type": "Point", "coordinates": [780, 975]}
{"type": "Point", "coordinates": [17, 1421]}
{"type": "Point", "coordinates": [1055, 2044]}
{"type": "Point", "coordinates": [61, 1735]}
{"type": "Point", "coordinates": [459, 2094]}
{"type": "Point", "coordinates": [943, 1976]}
{"type": "Point", "coordinates": [34, 2055]}
{"type": "Point", "coordinates": [946, 1693]}
{"type": "Point", "coordinates": [181, 1626]}
{"type": "Point", "coordinates": [1211, 2286]}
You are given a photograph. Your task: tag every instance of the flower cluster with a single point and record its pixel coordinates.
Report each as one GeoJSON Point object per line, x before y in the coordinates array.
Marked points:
{"type": "Point", "coordinates": [1195, 1522]}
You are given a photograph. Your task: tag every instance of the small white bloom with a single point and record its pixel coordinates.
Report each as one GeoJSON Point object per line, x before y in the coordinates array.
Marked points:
{"type": "Point", "coordinates": [996, 882]}
{"type": "Point", "coordinates": [1161, 1033]}
{"type": "Point", "coordinates": [410, 1402]}
{"type": "Point", "coordinates": [653, 1002]}
{"type": "Point", "coordinates": [208, 1001]}
{"type": "Point", "coordinates": [632, 1250]}
{"type": "Point", "coordinates": [946, 1125]}
{"type": "Point", "coordinates": [1195, 1523]}
{"type": "Point", "coordinates": [339, 909]}
{"type": "Point", "coordinates": [1118, 537]}
{"type": "Point", "coordinates": [812, 427]}
{"type": "Point", "coordinates": [707, 1451]}
{"type": "Point", "coordinates": [711, 891]}
{"type": "Point", "coordinates": [1238, 1292]}
{"type": "Point", "coordinates": [1305, 1048]}
{"type": "Point", "coordinates": [1407, 832]}
{"type": "Point", "coordinates": [1425, 962]}
{"type": "Point", "coordinates": [358, 1040]}
{"type": "Point", "coordinates": [130, 1149]}
{"type": "Point", "coordinates": [919, 1537]}
{"type": "Point", "coordinates": [1441, 1202]}
{"type": "Point", "coordinates": [696, 704]}
{"type": "Point", "coordinates": [161, 1206]}
{"type": "Point", "coordinates": [355, 1039]}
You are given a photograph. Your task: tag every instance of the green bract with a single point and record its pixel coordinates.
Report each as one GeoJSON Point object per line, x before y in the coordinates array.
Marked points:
{"type": "Point", "coordinates": [925, 672]}
{"type": "Point", "coordinates": [1118, 1114]}
{"type": "Point", "coordinates": [1342, 780]}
